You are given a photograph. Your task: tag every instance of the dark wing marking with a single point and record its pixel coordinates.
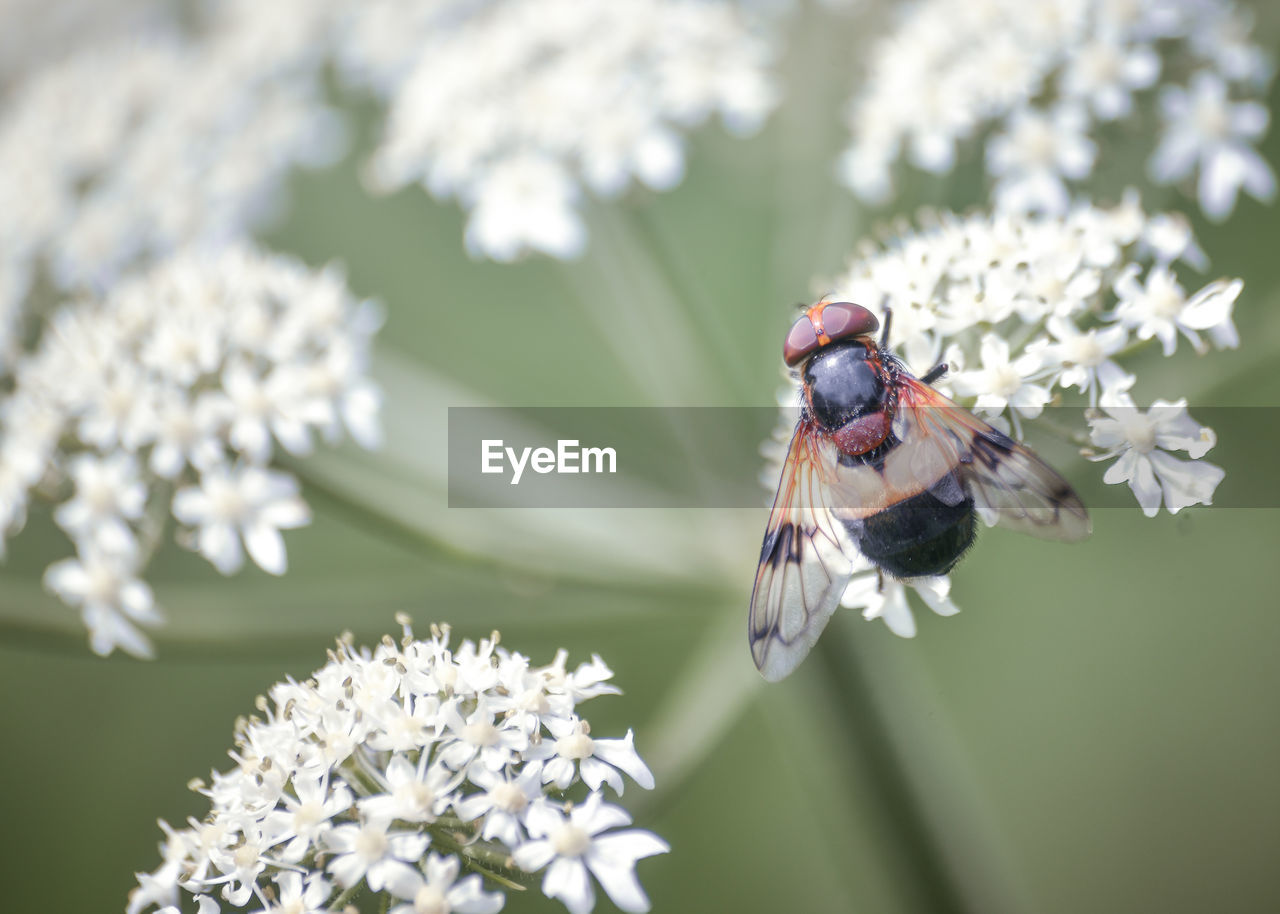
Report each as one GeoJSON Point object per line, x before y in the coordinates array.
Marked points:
{"type": "Point", "coordinates": [1010, 485]}
{"type": "Point", "coordinates": [805, 561]}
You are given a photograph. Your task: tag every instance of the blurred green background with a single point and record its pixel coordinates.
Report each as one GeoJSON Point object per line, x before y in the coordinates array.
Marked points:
{"type": "Point", "coordinates": [1097, 730]}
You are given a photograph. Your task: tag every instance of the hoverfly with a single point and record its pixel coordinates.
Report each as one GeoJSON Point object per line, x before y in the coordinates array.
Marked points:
{"type": "Point", "coordinates": [883, 465]}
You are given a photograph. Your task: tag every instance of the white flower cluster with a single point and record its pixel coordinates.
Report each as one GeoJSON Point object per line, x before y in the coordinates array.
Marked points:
{"type": "Point", "coordinates": [182, 144]}
{"type": "Point", "coordinates": [1045, 76]}
{"type": "Point", "coordinates": [170, 395]}
{"type": "Point", "coordinates": [391, 771]}
{"type": "Point", "coordinates": [509, 106]}
{"type": "Point", "coordinates": [517, 105]}
{"type": "Point", "coordinates": [1029, 311]}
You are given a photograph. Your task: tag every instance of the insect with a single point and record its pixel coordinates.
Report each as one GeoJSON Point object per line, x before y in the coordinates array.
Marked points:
{"type": "Point", "coordinates": [883, 465]}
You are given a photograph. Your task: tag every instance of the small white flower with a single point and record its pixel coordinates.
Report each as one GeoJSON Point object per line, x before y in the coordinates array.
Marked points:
{"type": "Point", "coordinates": [103, 584]}
{"type": "Point", "coordinates": [262, 406]}
{"type": "Point", "coordinates": [441, 891]}
{"type": "Point", "coordinates": [108, 494]}
{"type": "Point", "coordinates": [306, 818]}
{"type": "Point", "coordinates": [503, 802]}
{"type": "Point", "coordinates": [1034, 157]}
{"type": "Point", "coordinates": [1106, 72]}
{"type": "Point", "coordinates": [599, 760]}
{"type": "Point", "coordinates": [183, 434]}
{"type": "Point", "coordinates": [415, 793]}
{"type": "Point", "coordinates": [1203, 128]}
{"type": "Point", "coordinates": [1160, 309]}
{"type": "Point", "coordinates": [1002, 382]}
{"type": "Point", "coordinates": [296, 896]}
{"type": "Point", "coordinates": [1084, 359]}
{"type": "Point", "coordinates": [240, 865]}
{"type": "Point", "coordinates": [526, 204]}
{"type": "Point", "coordinates": [887, 599]}
{"type": "Point", "coordinates": [1141, 441]}
{"type": "Point", "coordinates": [244, 502]}
{"type": "Point", "coordinates": [569, 847]}
{"type": "Point", "coordinates": [479, 739]}
{"type": "Point", "coordinates": [370, 851]}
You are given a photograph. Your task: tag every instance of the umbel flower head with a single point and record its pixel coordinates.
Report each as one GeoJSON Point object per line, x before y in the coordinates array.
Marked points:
{"type": "Point", "coordinates": [570, 95]}
{"type": "Point", "coordinates": [417, 772]}
{"type": "Point", "coordinates": [170, 395]}
{"type": "Point", "coordinates": [195, 125]}
{"type": "Point", "coordinates": [1037, 82]}
{"type": "Point", "coordinates": [1029, 311]}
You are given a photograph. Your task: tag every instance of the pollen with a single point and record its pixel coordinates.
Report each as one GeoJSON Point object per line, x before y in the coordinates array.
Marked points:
{"type": "Point", "coordinates": [430, 900]}
{"type": "Point", "coordinates": [508, 797]}
{"type": "Point", "coordinates": [371, 843]}
{"type": "Point", "coordinates": [570, 841]}
{"type": "Point", "coordinates": [480, 733]}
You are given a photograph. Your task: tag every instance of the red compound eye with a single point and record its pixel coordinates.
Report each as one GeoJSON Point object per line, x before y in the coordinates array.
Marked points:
{"type": "Point", "coordinates": [823, 323]}
{"type": "Point", "coordinates": [841, 319]}
{"type": "Point", "coordinates": [801, 341]}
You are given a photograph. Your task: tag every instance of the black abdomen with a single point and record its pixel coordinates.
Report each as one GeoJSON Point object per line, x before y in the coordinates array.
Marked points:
{"type": "Point", "coordinates": [923, 535]}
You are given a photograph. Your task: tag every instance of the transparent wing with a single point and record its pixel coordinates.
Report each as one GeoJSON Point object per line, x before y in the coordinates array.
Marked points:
{"type": "Point", "coordinates": [805, 561]}
{"type": "Point", "coordinates": [1010, 485]}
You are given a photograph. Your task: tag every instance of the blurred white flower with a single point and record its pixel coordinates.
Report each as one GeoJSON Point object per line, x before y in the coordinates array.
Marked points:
{"type": "Point", "coordinates": [525, 203]}
{"type": "Point", "coordinates": [181, 379]}
{"type": "Point", "coordinates": [196, 124]}
{"type": "Point", "coordinates": [282, 820]}
{"type": "Point", "coordinates": [245, 502]}
{"type": "Point", "coordinates": [1141, 441]}
{"type": "Point", "coordinates": [109, 494]}
{"type": "Point", "coordinates": [103, 584]}
{"type": "Point", "coordinates": [1034, 156]}
{"type": "Point", "coordinates": [52, 30]}
{"type": "Point", "coordinates": [1031, 81]}
{"type": "Point", "coordinates": [185, 143]}
{"type": "Point", "coordinates": [570, 94]}
{"type": "Point", "coordinates": [1107, 71]}
{"type": "Point", "coordinates": [1205, 130]}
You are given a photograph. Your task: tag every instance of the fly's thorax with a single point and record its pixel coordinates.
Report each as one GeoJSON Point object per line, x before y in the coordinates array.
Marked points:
{"type": "Point", "coordinates": [844, 382]}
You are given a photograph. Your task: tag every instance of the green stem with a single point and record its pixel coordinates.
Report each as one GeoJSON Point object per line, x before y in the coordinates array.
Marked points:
{"type": "Point", "coordinates": [677, 274]}
{"type": "Point", "coordinates": [492, 861]}
{"type": "Point", "coordinates": [927, 875]}
{"type": "Point", "coordinates": [344, 896]}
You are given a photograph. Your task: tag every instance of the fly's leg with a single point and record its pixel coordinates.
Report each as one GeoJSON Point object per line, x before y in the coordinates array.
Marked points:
{"type": "Point", "coordinates": [934, 373]}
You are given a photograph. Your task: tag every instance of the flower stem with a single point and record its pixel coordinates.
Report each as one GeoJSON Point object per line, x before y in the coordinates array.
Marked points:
{"type": "Point", "coordinates": [930, 878]}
